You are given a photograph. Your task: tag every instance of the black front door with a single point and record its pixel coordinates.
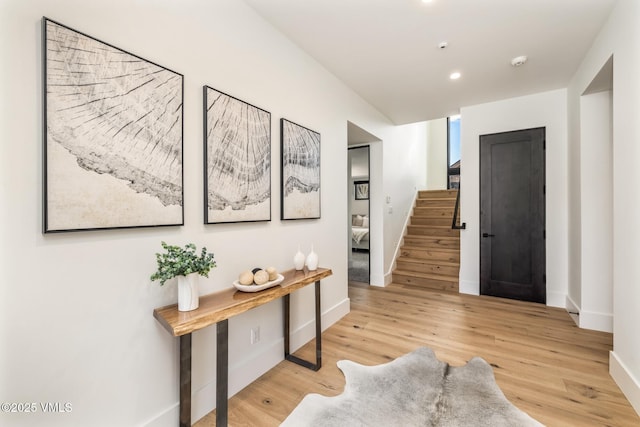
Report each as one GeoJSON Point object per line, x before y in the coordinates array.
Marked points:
{"type": "Point", "coordinates": [512, 215]}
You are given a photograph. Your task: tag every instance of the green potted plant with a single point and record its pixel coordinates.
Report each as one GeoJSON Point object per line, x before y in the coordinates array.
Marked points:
{"type": "Point", "coordinates": [185, 264]}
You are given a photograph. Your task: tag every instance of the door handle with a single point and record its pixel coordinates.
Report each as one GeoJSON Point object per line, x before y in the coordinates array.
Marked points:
{"type": "Point", "coordinates": [488, 235]}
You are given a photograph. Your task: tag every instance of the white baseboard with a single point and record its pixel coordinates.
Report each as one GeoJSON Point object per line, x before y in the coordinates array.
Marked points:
{"type": "Point", "coordinates": [572, 307]}
{"type": "Point", "coordinates": [556, 299]}
{"type": "Point", "coordinates": [597, 321]}
{"type": "Point", "coordinates": [629, 385]}
{"type": "Point", "coordinates": [249, 369]}
{"type": "Point", "coordinates": [469, 287]}
{"type": "Point", "coordinates": [167, 418]}
{"type": "Point", "coordinates": [377, 280]}
{"type": "Point", "coordinates": [240, 375]}
{"type": "Point", "coordinates": [588, 319]}
{"type": "Point", "coordinates": [388, 278]}
{"type": "Point", "coordinates": [307, 332]}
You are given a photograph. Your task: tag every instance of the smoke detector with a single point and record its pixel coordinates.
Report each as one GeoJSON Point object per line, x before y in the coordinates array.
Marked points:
{"type": "Point", "coordinates": [518, 61]}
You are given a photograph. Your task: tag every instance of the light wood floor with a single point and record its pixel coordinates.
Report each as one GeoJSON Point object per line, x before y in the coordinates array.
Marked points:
{"type": "Point", "coordinates": [543, 363]}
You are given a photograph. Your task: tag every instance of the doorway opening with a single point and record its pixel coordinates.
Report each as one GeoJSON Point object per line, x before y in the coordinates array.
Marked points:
{"type": "Point", "coordinates": [359, 192]}
{"type": "Point", "coordinates": [364, 169]}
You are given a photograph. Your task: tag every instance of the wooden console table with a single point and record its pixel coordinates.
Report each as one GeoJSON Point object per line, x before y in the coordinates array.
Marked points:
{"type": "Point", "coordinates": [217, 308]}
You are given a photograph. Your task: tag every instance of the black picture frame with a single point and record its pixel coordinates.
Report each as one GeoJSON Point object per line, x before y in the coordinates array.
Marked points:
{"type": "Point", "coordinates": [113, 136]}
{"type": "Point", "coordinates": [361, 190]}
{"type": "Point", "coordinates": [237, 160]}
{"type": "Point", "coordinates": [299, 172]}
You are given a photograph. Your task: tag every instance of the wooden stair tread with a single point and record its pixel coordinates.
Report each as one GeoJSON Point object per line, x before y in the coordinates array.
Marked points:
{"type": "Point", "coordinates": [403, 258]}
{"type": "Point", "coordinates": [435, 244]}
{"type": "Point", "coordinates": [437, 194]}
{"type": "Point", "coordinates": [423, 210]}
{"type": "Point", "coordinates": [438, 227]}
{"type": "Point", "coordinates": [431, 276]}
{"type": "Point", "coordinates": [426, 245]}
{"type": "Point", "coordinates": [431, 249]}
{"type": "Point", "coordinates": [453, 199]}
{"type": "Point", "coordinates": [426, 228]}
{"type": "Point", "coordinates": [428, 237]}
{"type": "Point", "coordinates": [431, 232]}
{"type": "Point", "coordinates": [440, 203]}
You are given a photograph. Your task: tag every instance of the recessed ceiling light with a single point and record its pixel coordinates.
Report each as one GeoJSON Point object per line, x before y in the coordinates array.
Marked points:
{"type": "Point", "coordinates": [455, 76]}
{"type": "Point", "coordinates": [427, 1]}
{"type": "Point", "coordinates": [518, 61]}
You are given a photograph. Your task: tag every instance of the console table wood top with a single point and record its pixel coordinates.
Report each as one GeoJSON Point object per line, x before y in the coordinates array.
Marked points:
{"type": "Point", "coordinates": [227, 303]}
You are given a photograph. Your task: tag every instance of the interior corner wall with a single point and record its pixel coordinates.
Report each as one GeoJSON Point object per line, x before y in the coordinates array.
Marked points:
{"type": "Point", "coordinates": [596, 212]}
{"type": "Point", "coordinates": [76, 309]}
{"type": "Point", "coordinates": [549, 110]}
{"type": "Point", "coordinates": [376, 212]}
{"type": "Point", "coordinates": [437, 154]}
{"type": "Point", "coordinates": [574, 292]}
{"type": "Point", "coordinates": [620, 38]}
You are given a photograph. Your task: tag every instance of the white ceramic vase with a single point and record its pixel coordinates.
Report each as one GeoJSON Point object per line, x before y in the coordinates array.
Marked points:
{"type": "Point", "coordinates": [188, 297]}
{"type": "Point", "coordinates": [312, 260]}
{"type": "Point", "coordinates": [298, 260]}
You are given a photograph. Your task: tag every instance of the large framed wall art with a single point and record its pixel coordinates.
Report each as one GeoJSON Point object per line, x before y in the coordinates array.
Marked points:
{"type": "Point", "coordinates": [300, 172]}
{"type": "Point", "coordinates": [113, 136]}
{"type": "Point", "coordinates": [237, 157]}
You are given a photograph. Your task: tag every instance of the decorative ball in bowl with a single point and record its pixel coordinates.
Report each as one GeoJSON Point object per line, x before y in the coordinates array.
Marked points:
{"type": "Point", "coordinates": [258, 279]}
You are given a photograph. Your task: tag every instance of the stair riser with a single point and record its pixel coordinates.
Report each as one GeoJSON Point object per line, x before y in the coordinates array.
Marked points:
{"type": "Point", "coordinates": [419, 220]}
{"type": "Point", "coordinates": [429, 231]}
{"type": "Point", "coordinates": [437, 194]}
{"type": "Point", "coordinates": [430, 254]}
{"type": "Point", "coordinates": [436, 203]}
{"type": "Point", "coordinates": [438, 212]}
{"type": "Point", "coordinates": [433, 243]}
{"type": "Point", "coordinates": [437, 285]}
{"type": "Point", "coordinates": [442, 270]}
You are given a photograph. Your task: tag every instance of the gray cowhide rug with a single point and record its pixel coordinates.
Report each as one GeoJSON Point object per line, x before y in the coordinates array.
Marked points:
{"type": "Point", "coordinates": [416, 389]}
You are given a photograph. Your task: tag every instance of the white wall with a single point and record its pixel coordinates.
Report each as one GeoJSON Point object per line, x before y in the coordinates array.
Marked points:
{"type": "Point", "coordinates": [595, 303]}
{"type": "Point", "coordinates": [436, 154]}
{"type": "Point", "coordinates": [76, 308]}
{"type": "Point", "coordinates": [547, 110]}
{"type": "Point", "coordinates": [404, 175]}
{"type": "Point", "coordinates": [619, 37]}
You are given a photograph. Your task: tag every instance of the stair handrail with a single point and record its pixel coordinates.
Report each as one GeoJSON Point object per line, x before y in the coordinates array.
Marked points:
{"type": "Point", "coordinates": [455, 226]}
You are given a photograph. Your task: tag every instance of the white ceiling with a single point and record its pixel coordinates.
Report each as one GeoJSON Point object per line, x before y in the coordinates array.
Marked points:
{"type": "Point", "coordinates": [387, 50]}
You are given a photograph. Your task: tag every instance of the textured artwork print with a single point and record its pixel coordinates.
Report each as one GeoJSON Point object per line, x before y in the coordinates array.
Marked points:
{"type": "Point", "coordinates": [113, 138]}
{"type": "Point", "coordinates": [237, 146]}
{"type": "Point", "coordinates": [300, 175]}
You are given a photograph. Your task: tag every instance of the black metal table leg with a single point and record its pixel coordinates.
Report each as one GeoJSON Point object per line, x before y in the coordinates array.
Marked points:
{"type": "Point", "coordinates": [287, 312]}
{"type": "Point", "coordinates": [185, 380]}
{"type": "Point", "coordinates": [222, 373]}
{"type": "Point", "coordinates": [318, 327]}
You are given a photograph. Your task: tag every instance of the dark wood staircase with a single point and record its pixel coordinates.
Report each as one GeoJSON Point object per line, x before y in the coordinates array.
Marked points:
{"type": "Point", "coordinates": [430, 254]}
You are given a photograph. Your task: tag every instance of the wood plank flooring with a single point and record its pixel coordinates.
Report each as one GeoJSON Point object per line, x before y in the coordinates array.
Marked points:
{"type": "Point", "coordinates": [544, 364]}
